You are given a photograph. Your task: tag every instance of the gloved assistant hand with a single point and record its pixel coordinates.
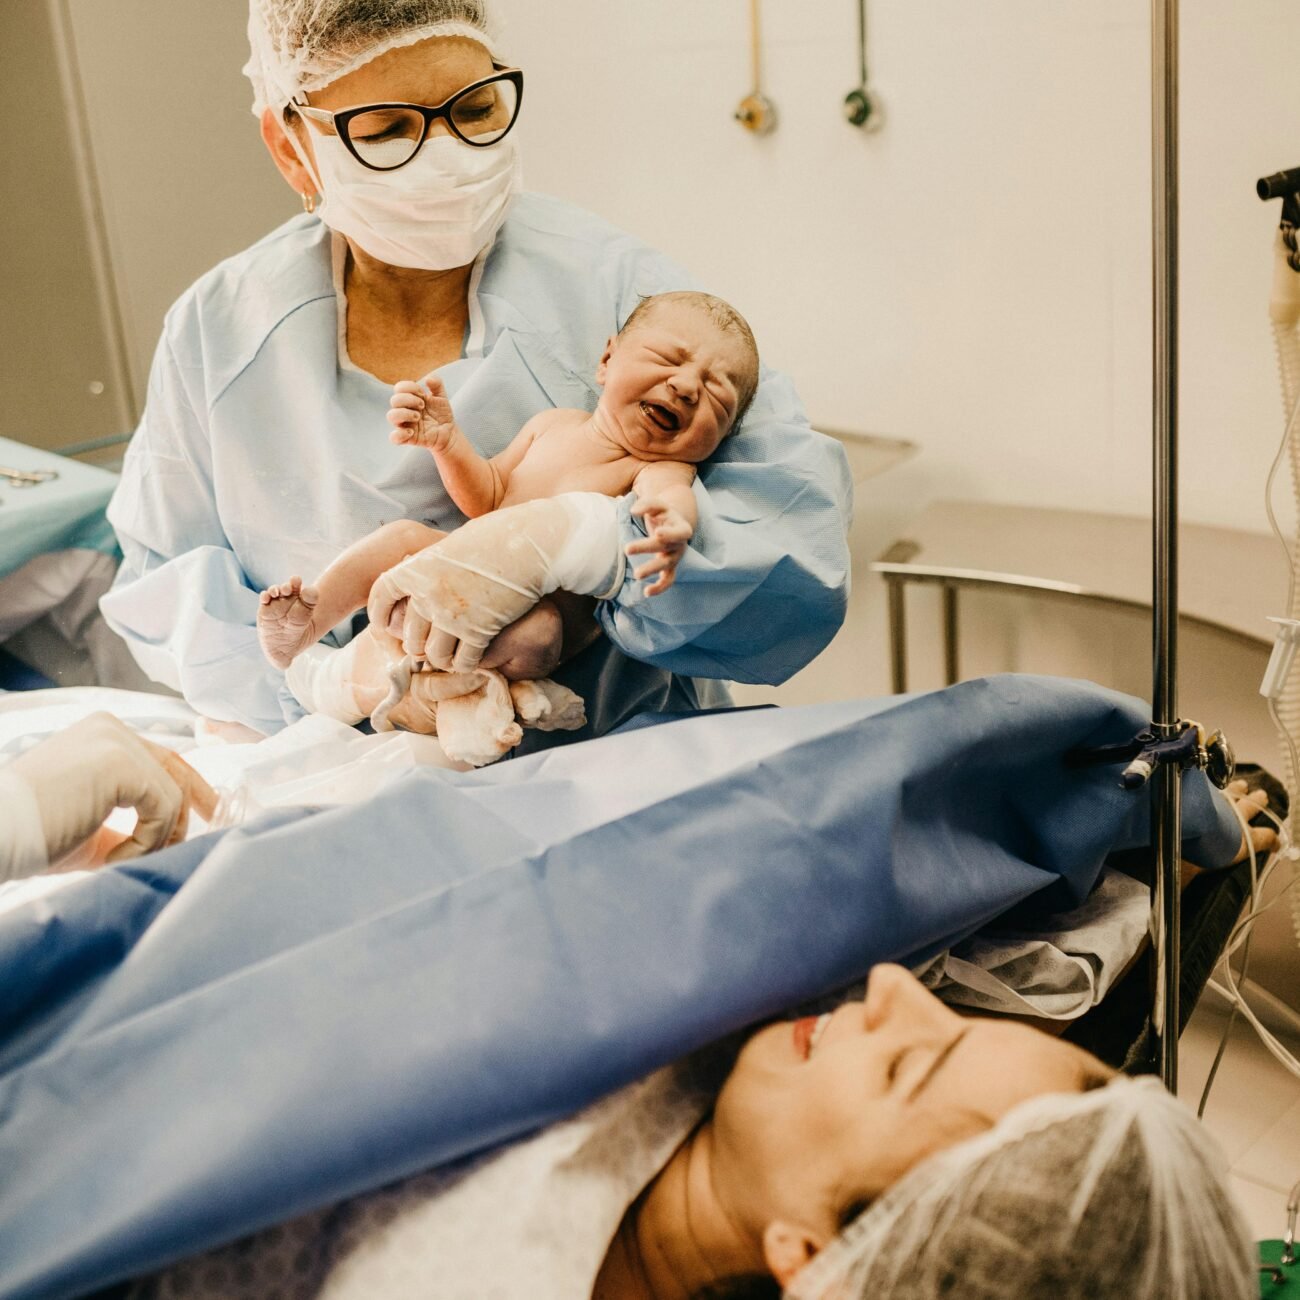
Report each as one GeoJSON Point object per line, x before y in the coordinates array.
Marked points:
{"type": "Point", "coordinates": [463, 590]}
{"type": "Point", "coordinates": [80, 775]}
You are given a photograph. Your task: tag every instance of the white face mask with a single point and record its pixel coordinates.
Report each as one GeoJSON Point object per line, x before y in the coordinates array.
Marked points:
{"type": "Point", "coordinates": [439, 211]}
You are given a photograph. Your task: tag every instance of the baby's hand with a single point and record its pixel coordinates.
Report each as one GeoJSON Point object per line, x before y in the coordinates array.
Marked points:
{"type": "Point", "coordinates": [668, 534]}
{"type": "Point", "coordinates": [421, 414]}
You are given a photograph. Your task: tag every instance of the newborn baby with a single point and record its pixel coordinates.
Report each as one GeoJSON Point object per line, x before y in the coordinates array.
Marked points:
{"type": "Point", "coordinates": [676, 380]}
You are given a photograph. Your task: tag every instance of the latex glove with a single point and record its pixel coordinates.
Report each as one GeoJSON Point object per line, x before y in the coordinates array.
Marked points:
{"type": "Point", "coordinates": [465, 589]}
{"type": "Point", "coordinates": [480, 727]}
{"type": "Point", "coordinates": [80, 775]}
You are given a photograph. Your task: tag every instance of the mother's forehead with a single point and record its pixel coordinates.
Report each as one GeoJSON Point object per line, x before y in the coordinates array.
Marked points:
{"type": "Point", "coordinates": [1006, 1055]}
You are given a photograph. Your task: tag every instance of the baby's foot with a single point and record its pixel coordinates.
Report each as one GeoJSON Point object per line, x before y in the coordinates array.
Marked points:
{"type": "Point", "coordinates": [285, 621]}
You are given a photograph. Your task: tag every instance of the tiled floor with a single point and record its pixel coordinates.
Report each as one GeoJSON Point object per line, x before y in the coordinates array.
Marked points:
{"type": "Point", "coordinates": [1254, 1111]}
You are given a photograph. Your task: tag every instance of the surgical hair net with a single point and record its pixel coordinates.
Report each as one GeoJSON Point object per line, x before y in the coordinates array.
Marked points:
{"type": "Point", "coordinates": [297, 46]}
{"type": "Point", "coordinates": [1115, 1192]}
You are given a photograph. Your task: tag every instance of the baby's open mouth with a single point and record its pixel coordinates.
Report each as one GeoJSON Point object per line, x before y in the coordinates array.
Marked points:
{"type": "Point", "coordinates": [662, 416]}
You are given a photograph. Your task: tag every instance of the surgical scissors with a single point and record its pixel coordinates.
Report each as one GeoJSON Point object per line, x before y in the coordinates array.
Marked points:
{"type": "Point", "coordinates": [25, 478]}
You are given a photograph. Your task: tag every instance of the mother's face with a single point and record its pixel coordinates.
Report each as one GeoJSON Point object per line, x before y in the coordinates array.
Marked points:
{"type": "Point", "coordinates": [809, 1125]}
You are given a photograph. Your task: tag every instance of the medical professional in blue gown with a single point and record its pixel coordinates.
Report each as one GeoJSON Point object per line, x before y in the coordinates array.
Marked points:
{"type": "Point", "coordinates": [264, 448]}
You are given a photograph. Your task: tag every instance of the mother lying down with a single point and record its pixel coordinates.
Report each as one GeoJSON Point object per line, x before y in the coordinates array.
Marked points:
{"type": "Point", "coordinates": [447, 1001]}
{"type": "Point", "coordinates": [889, 1148]}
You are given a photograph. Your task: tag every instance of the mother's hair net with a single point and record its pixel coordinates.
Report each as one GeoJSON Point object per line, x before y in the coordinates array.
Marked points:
{"type": "Point", "coordinates": [300, 45]}
{"type": "Point", "coordinates": [1116, 1192]}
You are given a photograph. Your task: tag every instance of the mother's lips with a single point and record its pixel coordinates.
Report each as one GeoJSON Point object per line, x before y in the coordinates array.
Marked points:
{"type": "Point", "coordinates": [807, 1033]}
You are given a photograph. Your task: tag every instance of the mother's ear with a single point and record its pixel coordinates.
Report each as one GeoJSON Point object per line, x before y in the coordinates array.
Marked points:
{"type": "Point", "coordinates": [787, 1247]}
{"type": "Point", "coordinates": [275, 135]}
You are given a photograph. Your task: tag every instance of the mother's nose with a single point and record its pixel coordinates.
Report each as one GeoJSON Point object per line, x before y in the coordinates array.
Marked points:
{"type": "Point", "coordinates": [894, 993]}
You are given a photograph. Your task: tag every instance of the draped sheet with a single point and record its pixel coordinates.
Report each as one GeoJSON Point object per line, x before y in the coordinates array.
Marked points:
{"type": "Point", "coordinates": [255, 1024]}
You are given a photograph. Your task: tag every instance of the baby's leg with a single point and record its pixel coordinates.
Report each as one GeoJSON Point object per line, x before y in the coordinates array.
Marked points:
{"type": "Point", "coordinates": [291, 617]}
{"type": "Point", "coordinates": [347, 684]}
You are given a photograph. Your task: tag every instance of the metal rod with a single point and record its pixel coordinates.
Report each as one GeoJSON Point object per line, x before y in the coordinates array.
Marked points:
{"type": "Point", "coordinates": [862, 40]}
{"type": "Point", "coordinates": [897, 635]}
{"type": "Point", "coordinates": [1165, 812]}
{"type": "Point", "coordinates": [950, 673]}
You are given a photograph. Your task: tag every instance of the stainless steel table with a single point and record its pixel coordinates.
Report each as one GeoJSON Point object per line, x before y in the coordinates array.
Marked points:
{"type": "Point", "coordinates": [870, 454]}
{"type": "Point", "coordinates": [1230, 580]}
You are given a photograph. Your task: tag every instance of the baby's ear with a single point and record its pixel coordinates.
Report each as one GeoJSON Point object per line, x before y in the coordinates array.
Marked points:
{"type": "Point", "coordinates": [603, 364]}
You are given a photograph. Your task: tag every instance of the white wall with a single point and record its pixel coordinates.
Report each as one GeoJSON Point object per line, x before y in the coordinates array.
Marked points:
{"type": "Point", "coordinates": [182, 173]}
{"type": "Point", "coordinates": [975, 277]}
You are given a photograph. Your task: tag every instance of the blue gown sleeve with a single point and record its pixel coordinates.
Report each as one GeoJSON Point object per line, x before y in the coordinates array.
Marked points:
{"type": "Point", "coordinates": [764, 585]}
{"type": "Point", "coordinates": [181, 600]}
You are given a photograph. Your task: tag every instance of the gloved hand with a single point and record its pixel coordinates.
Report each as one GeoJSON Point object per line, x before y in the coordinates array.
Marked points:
{"type": "Point", "coordinates": [80, 775]}
{"type": "Point", "coordinates": [463, 590]}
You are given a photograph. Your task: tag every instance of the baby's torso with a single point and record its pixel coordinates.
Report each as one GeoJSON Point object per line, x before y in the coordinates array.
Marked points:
{"type": "Point", "coordinates": [564, 458]}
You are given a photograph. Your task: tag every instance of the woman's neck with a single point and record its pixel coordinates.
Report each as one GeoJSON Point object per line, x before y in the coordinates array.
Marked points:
{"type": "Point", "coordinates": [403, 323]}
{"type": "Point", "coordinates": [405, 292]}
{"type": "Point", "coordinates": [678, 1236]}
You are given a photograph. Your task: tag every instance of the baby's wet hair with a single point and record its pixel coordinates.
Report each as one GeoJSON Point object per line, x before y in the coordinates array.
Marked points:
{"type": "Point", "coordinates": [726, 318]}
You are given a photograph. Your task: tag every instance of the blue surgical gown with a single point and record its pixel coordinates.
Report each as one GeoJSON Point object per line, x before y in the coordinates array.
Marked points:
{"type": "Point", "coordinates": [260, 455]}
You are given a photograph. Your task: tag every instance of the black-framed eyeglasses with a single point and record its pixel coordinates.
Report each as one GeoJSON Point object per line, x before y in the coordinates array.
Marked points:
{"type": "Point", "coordinates": [384, 137]}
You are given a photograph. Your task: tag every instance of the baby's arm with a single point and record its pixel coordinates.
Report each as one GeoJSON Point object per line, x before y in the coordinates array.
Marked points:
{"type": "Point", "coordinates": [665, 501]}
{"type": "Point", "coordinates": [421, 415]}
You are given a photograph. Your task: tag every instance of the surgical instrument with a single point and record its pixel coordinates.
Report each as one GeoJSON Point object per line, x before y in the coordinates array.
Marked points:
{"type": "Point", "coordinates": [25, 478]}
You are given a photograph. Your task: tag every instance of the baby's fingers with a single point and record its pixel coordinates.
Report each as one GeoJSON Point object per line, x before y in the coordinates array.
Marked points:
{"type": "Point", "coordinates": [657, 565]}
{"type": "Point", "coordinates": [666, 580]}
{"type": "Point", "coordinates": [672, 534]}
{"type": "Point", "coordinates": [642, 546]}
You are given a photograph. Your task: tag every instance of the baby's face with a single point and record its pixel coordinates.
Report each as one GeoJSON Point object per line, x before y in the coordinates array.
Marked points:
{"type": "Point", "coordinates": [670, 384]}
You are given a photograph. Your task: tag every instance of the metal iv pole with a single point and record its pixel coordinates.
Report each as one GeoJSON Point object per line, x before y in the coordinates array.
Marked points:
{"type": "Point", "coordinates": [1165, 793]}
